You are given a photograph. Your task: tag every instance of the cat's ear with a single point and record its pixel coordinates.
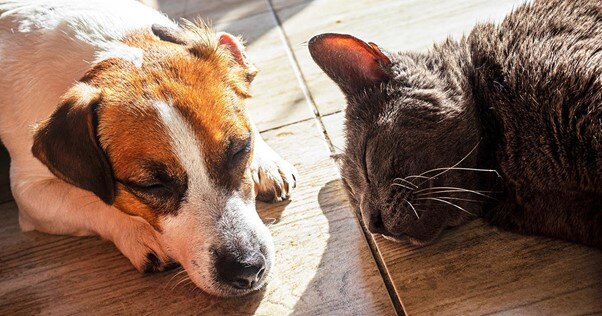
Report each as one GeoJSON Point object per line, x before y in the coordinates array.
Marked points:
{"type": "Point", "coordinates": [352, 63]}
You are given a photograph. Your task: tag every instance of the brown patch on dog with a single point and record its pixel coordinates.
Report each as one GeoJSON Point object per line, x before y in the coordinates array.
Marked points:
{"type": "Point", "coordinates": [205, 83]}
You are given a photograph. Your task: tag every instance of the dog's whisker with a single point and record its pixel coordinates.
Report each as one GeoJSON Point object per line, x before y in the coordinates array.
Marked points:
{"type": "Point", "coordinates": [183, 278]}
{"type": "Point", "coordinates": [449, 203]}
{"type": "Point", "coordinates": [186, 278]}
{"type": "Point", "coordinates": [414, 209]}
{"type": "Point", "coordinates": [188, 283]}
{"type": "Point", "coordinates": [173, 277]}
{"type": "Point", "coordinates": [406, 181]}
{"type": "Point", "coordinates": [403, 186]}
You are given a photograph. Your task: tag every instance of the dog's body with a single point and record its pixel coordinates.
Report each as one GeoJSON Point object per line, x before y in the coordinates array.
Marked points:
{"type": "Point", "coordinates": [130, 80]}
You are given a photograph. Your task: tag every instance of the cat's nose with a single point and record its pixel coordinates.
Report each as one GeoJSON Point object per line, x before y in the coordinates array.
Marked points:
{"type": "Point", "coordinates": [372, 217]}
{"type": "Point", "coordinates": [375, 223]}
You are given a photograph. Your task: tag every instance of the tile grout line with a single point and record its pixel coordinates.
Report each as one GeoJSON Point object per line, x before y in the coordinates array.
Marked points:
{"type": "Point", "coordinates": [395, 300]}
{"type": "Point", "coordinates": [299, 75]}
{"type": "Point", "coordinates": [269, 129]}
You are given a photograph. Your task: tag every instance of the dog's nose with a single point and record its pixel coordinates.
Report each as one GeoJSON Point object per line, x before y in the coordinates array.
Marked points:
{"type": "Point", "coordinates": [242, 273]}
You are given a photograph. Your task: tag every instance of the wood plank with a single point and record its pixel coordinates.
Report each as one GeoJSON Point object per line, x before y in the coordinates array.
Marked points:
{"type": "Point", "coordinates": [397, 25]}
{"type": "Point", "coordinates": [478, 269]}
{"type": "Point", "coordinates": [323, 263]}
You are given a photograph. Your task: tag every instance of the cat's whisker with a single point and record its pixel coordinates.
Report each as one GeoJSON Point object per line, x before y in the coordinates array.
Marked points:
{"type": "Point", "coordinates": [406, 181]}
{"type": "Point", "coordinates": [434, 190]}
{"type": "Point", "coordinates": [450, 203]}
{"type": "Point", "coordinates": [455, 191]}
{"type": "Point", "coordinates": [416, 176]}
{"type": "Point", "coordinates": [453, 198]}
{"type": "Point", "coordinates": [450, 168]}
{"type": "Point", "coordinates": [403, 186]}
{"type": "Point", "coordinates": [412, 206]}
{"type": "Point", "coordinates": [467, 169]}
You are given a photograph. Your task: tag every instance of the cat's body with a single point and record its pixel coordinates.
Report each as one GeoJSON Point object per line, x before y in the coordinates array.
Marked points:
{"type": "Point", "coordinates": [523, 98]}
{"type": "Point", "coordinates": [538, 80]}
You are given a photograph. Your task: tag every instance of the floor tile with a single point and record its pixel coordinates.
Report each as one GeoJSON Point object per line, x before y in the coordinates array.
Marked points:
{"type": "Point", "coordinates": [395, 25]}
{"type": "Point", "coordinates": [324, 264]}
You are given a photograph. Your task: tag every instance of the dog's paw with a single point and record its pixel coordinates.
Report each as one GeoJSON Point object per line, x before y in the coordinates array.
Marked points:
{"type": "Point", "coordinates": [274, 177]}
{"type": "Point", "coordinates": [139, 243]}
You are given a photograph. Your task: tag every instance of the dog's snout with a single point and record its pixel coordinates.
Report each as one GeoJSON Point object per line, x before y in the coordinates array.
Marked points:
{"type": "Point", "coordinates": [241, 272]}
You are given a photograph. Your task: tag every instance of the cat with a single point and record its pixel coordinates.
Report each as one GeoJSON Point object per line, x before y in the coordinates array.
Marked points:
{"type": "Point", "coordinates": [504, 123]}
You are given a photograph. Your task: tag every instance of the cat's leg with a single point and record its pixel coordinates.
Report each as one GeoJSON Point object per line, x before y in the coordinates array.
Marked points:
{"type": "Point", "coordinates": [53, 206]}
{"type": "Point", "coordinates": [574, 216]}
{"type": "Point", "coordinates": [274, 177]}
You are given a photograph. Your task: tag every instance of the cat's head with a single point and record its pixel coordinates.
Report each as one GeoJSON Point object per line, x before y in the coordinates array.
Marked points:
{"type": "Point", "coordinates": [410, 132]}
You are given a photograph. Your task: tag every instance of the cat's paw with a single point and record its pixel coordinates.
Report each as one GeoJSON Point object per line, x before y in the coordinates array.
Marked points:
{"type": "Point", "coordinates": [138, 242]}
{"type": "Point", "coordinates": [274, 177]}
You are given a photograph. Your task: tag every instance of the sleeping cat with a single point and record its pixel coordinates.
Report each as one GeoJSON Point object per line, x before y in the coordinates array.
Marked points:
{"type": "Point", "coordinates": [505, 123]}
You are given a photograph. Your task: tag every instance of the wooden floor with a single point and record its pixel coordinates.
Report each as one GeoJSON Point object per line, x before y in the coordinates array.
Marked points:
{"type": "Point", "coordinates": [326, 264]}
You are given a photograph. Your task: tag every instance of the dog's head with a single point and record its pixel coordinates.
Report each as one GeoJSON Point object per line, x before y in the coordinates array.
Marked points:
{"type": "Point", "coordinates": [168, 139]}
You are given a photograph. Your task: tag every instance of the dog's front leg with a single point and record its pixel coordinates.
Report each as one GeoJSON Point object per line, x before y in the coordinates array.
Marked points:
{"type": "Point", "coordinates": [274, 177]}
{"type": "Point", "coordinates": [53, 206]}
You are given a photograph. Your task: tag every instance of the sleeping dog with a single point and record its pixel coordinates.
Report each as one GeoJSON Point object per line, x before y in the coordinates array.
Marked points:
{"type": "Point", "coordinates": [123, 124]}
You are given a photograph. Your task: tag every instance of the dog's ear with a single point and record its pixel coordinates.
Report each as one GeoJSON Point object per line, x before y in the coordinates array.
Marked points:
{"type": "Point", "coordinates": [67, 143]}
{"type": "Point", "coordinates": [235, 47]}
{"type": "Point", "coordinates": [350, 62]}
{"type": "Point", "coordinates": [170, 34]}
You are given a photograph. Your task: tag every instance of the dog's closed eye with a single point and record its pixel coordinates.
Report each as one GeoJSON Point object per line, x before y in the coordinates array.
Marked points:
{"type": "Point", "coordinates": [156, 189]}
{"type": "Point", "coordinates": [239, 149]}
{"type": "Point", "coordinates": [154, 181]}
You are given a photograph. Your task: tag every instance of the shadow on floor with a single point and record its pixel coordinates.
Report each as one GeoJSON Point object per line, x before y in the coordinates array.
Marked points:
{"type": "Point", "coordinates": [328, 284]}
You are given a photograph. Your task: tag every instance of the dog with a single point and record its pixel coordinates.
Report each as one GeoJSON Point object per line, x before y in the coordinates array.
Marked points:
{"type": "Point", "coordinates": [121, 123]}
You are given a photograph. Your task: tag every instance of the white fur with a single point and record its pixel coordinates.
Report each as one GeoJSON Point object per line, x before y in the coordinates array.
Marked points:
{"type": "Point", "coordinates": [209, 215]}
{"type": "Point", "coordinates": [45, 47]}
